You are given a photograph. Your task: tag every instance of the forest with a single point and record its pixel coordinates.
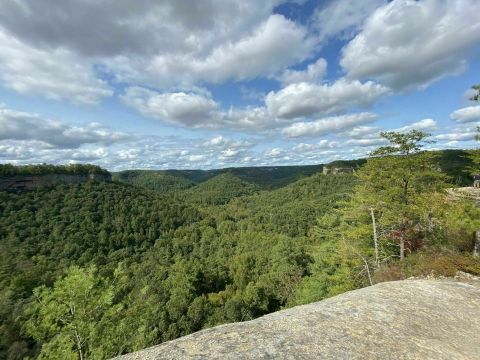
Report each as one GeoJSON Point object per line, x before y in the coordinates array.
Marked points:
{"type": "Point", "coordinates": [98, 269]}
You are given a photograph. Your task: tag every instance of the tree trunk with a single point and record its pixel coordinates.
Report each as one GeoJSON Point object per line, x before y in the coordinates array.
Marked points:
{"type": "Point", "coordinates": [79, 344]}
{"type": "Point", "coordinates": [375, 238]}
{"type": "Point", "coordinates": [476, 246]}
{"type": "Point", "coordinates": [402, 246]}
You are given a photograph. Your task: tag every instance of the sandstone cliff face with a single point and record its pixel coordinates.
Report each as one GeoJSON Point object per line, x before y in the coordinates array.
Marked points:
{"type": "Point", "coordinates": [39, 181]}
{"type": "Point", "coordinates": [410, 319]}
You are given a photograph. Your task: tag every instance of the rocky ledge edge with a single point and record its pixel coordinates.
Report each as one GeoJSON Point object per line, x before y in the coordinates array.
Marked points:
{"type": "Point", "coordinates": [408, 319]}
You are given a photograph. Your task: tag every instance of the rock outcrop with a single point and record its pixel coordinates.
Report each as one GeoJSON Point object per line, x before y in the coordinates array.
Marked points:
{"type": "Point", "coordinates": [410, 319]}
{"type": "Point", "coordinates": [29, 182]}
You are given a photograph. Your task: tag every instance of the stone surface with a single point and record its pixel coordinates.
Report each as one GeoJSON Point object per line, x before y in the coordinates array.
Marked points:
{"type": "Point", "coordinates": [410, 319]}
{"type": "Point", "coordinates": [30, 182]}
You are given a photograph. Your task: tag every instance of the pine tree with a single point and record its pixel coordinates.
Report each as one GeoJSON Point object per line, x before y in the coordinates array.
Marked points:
{"type": "Point", "coordinates": [394, 182]}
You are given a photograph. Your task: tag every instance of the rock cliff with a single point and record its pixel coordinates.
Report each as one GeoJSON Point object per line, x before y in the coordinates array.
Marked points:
{"type": "Point", "coordinates": [29, 182]}
{"type": "Point", "coordinates": [410, 319]}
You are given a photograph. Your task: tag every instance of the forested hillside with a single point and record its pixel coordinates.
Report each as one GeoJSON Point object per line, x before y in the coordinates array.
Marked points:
{"type": "Point", "coordinates": [455, 163]}
{"type": "Point", "coordinates": [109, 268]}
{"type": "Point", "coordinates": [170, 268]}
{"type": "Point", "coordinates": [266, 177]}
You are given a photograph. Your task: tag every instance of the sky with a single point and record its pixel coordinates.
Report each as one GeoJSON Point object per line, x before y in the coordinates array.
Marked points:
{"type": "Point", "coordinates": [182, 84]}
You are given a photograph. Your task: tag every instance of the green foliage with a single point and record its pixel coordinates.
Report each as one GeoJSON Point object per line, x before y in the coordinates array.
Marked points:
{"type": "Point", "coordinates": [162, 182]}
{"type": "Point", "coordinates": [171, 268]}
{"type": "Point", "coordinates": [64, 318]}
{"type": "Point", "coordinates": [264, 177]}
{"type": "Point", "coordinates": [179, 251]}
{"type": "Point", "coordinates": [476, 95]}
{"type": "Point", "coordinates": [402, 143]}
{"type": "Point", "coordinates": [219, 190]}
{"type": "Point", "coordinates": [396, 189]}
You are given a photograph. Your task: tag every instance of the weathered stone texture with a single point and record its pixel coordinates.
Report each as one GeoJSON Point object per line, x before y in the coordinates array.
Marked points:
{"type": "Point", "coordinates": [29, 182]}
{"type": "Point", "coordinates": [410, 319]}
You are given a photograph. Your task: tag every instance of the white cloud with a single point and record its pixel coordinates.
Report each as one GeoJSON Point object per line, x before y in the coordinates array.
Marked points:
{"type": "Point", "coordinates": [308, 147]}
{"type": "Point", "coordinates": [196, 110]}
{"type": "Point", "coordinates": [15, 125]}
{"type": "Point", "coordinates": [249, 119]}
{"type": "Point", "coordinates": [342, 17]}
{"type": "Point", "coordinates": [274, 153]}
{"type": "Point", "coordinates": [466, 114]}
{"type": "Point", "coordinates": [467, 135]}
{"type": "Point", "coordinates": [223, 142]}
{"type": "Point", "coordinates": [188, 109]}
{"type": "Point", "coordinates": [362, 132]}
{"type": "Point", "coordinates": [294, 101]}
{"type": "Point", "coordinates": [306, 99]}
{"type": "Point", "coordinates": [408, 44]}
{"type": "Point", "coordinates": [368, 142]}
{"type": "Point", "coordinates": [125, 27]}
{"type": "Point", "coordinates": [90, 154]}
{"type": "Point", "coordinates": [228, 153]}
{"type": "Point", "coordinates": [264, 50]}
{"type": "Point", "coordinates": [54, 73]}
{"type": "Point", "coordinates": [167, 44]}
{"type": "Point", "coordinates": [328, 125]}
{"type": "Point", "coordinates": [313, 73]}
{"type": "Point", "coordinates": [425, 124]}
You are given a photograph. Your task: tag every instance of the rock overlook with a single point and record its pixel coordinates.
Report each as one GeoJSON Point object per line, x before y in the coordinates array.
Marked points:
{"type": "Point", "coordinates": [410, 319]}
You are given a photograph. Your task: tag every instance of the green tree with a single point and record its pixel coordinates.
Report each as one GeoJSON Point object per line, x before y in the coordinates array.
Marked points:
{"type": "Point", "coordinates": [475, 155]}
{"type": "Point", "coordinates": [63, 318]}
{"type": "Point", "coordinates": [394, 182]}
{"type": "Point", "coordinates": [476, 95]}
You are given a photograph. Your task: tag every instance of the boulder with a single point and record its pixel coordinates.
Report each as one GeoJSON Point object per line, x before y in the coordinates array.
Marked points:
{"type": "Point", "coordinates": [409, 319]}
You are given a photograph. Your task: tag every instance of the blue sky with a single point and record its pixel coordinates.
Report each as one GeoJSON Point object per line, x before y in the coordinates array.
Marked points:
{"type": "Point", "coordinates": [208, 84]}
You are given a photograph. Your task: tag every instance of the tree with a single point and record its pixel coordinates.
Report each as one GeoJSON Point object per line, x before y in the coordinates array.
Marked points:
{"type": "Point", "coordinates": [393, 182]}
{"type": "Point", "coordinates": [63, 318]}
{"type": "Point", "coordinates": [476, 96]}
{"type": "Point", "coordinates": [475, 156]}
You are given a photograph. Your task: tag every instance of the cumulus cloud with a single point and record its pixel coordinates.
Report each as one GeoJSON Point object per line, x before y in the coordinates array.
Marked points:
{"type": "Point", "coordinates": [328, 125]}
{"type": "Point", "coordinates": [199, 110]}
{"type": "Point", "coordinates": [313, 73]}
{"type": "Point", "coordinates": [362, 132]}
{"type": "Point", "coordinates": [57, 74]}
{"type": "Point", "coordinates": [368, 142]}
{"type": "Point", "coordinates": [306, 99]}
{"type": "Point", "coordinates": [465, 135]}
{"type": "Point", "coordinates": [15, 125]}
{"type": "Point", "coordinates": [425, 124]}
{"type": "Point", "coordinates": [274, 45]}
{"type": "Point", "coordinates": [189, 109]}
{"type": "Point", "coordinates": [466, 114]}
{"type": "Point", "coordinates": [122, 27]}
{"type": "Point", "coordinates": [89, 154]}
{"type": "Point", "coordinates": [223, 142]}
{"type": "Point", "coordinates": [342, 17]}
{"type": "Point", "coordinates": [165, 44]}
{"type": "Point", "coordinates": [322, 144]}
{"type": "Point", "coordinates": [196, 110]}
{"type": "Point", "coordinates": [411, 44]}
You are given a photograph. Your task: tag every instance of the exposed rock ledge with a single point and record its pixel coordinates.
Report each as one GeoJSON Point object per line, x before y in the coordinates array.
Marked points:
{"type": "Point", "coordinates": [410, 319]}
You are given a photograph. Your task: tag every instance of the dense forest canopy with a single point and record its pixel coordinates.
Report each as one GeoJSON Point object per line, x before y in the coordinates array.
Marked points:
{"type": "Point", "coordinates": [265, 177]}
{"type": "Point", "coordinates": [161, 254]}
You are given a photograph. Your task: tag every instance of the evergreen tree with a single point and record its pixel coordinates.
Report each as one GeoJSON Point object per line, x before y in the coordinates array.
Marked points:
{"type": "Point", "coordinates": [476, 95]}
{"type": "Point", "coordinates": [394, 183]}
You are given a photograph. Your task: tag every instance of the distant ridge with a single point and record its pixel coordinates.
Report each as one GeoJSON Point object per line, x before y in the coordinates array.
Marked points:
{"type": "Point", "coordinates": [265, 177]}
